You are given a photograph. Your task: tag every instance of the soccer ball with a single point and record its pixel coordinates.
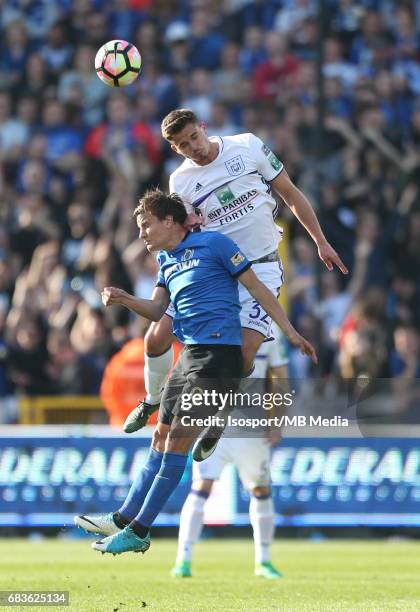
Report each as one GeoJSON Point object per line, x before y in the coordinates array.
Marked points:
{"type": "Point", "coordinates": [118, 63]}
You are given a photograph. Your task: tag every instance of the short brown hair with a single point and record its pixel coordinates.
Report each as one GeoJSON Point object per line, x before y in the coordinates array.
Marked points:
{"type": "Point", "coordinates": [161, 204]}
{"type": "Point", "coordinates": [176, 120]}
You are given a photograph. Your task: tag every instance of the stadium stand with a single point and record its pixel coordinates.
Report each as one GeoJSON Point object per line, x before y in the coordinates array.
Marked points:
{"type": "Point", "coordinates": [74, 155]}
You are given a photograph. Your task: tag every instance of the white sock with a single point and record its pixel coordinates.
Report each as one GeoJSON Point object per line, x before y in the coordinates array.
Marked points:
{"type": "Point", "coordinates": [156, 370]}
{"type": "Point", "coordinates": [261, 514]}
{"type": "Point", "coordinates": [190, 526]}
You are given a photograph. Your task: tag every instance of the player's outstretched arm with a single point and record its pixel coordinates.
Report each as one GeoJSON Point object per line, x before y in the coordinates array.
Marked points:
{"type": "Point", "coordinates": [267, 300]}
{"type": "Point", "coordinates": [303, 211]}
{"type": "Point", "coordinates": [153, 309]}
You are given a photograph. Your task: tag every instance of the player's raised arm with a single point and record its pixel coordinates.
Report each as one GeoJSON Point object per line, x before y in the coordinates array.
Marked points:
{"type": "Point", "coordinates": [267, 300]}
{"type": "Point", "coordinates": [303, 211]}
{"type": "Point", "coordinates": [152, 309]}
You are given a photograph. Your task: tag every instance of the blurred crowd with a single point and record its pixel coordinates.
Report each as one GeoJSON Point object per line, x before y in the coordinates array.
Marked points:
{"type": "Point", "coordinates": [75, 154]}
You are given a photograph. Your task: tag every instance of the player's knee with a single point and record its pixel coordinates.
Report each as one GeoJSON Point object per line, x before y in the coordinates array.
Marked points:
{"type": "Point", "coordinates": [158, 339]}
{"type": "Point", "coordinates": [159, 439]}
{"type": "Point", "coordinates": [177, 442]}
{"type": "Point", "coordinates": [248, 355]}
{"type": "Point", "coordinates": [261, 492]}
{"type": "Point", "coordinates": [202, 486]}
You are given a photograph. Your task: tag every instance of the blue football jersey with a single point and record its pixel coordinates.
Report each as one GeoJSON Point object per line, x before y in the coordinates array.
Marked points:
{"type": "Point", "coordinates": [200, 277]}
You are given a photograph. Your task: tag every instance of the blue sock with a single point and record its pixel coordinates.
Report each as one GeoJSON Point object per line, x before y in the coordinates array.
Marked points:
{"type": "Point", "coordinates": [141, 485]}
{"type": "Point", "coordinates": [165, 483]}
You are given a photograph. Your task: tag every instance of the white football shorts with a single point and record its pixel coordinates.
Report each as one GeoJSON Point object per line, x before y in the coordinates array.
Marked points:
{"type": "Point", "coordinates": [251, 457]}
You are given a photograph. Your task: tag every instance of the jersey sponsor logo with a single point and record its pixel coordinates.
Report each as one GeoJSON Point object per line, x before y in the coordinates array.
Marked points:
{"type": "Point", "coordinates": [181, 266]}
{"type": "Point", "coordinates": [188, 254]}
{"type": "Point", "coordinates": [230, 203]}
{"type": "Point", "coordinates": [198, 187]}
{"type": "Point", "coordinates": [273, 159]}
{"type": "Point", "coordinates": [275, 162]}
{"type": "Point", "coordinates": [235, 165]}
{"type": "Point", "coordinates": [237, 259]}
{"type": "Point", "coordinates": [224, 195]}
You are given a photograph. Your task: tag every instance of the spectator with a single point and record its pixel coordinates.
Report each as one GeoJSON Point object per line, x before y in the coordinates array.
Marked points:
{"type": "Point", "coordinates": [347, 20]}
{"type": "Point", "coordinates": [363, 346]}
{"type": "Point", "coordinates": [13, 132]}
{"type": "Point", "coordinates": [406, 38]}
{"type": "Point", "coordinates": [205, 45]}
{"type": "Point", "coordinates": [28, 358]}
{"type": "Point", "coordinates": [290, 18]}
{"type": "Point", "coordinates": [91, 340]}
{"type": "Point", "coordinates": [404, 367]}
{"type": "Point", "coordinates": [252, 51]}
{"type": "Point", "coordinates": [15, 52]}
{"type": "Point", "coordinates": [123, 142]}
{"type": "Point", "coordinates": [81, 87]}
{"type": "Point", "coordinates": [220, 123]}
{"type": "Point", "coordinates": [63, 143]}
{"type": "Point", "coordinates": [36, 80]}
{"type": "Point", "coordinates": [227, 78]}
{"type": "Point", "coordinates": [336, 66]}
{"type": "Point", "coordinates": [176, 36]}
{"type": "Point", "coordinates": [277, 71]}
{"type": "Point", "coordinates": [78, 245]}
{"type": "Point", "coordinates": [57, 52]}
{"type": "Point", "coordinates": [372, 49]}
{"type": "Point", "coordinates": [201, 94]}
{"type": "Point", "coordinates": [72, 374]}
{"type": "Point", "coordinates": [405, 358]}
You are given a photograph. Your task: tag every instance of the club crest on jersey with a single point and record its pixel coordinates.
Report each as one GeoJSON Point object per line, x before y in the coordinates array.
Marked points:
{"type": "Point", "coordinates": [189, 253]}
{"type": "Point", "coordinates": [237, 259]}
{"type": "Point", "coordinates": [235, 165]}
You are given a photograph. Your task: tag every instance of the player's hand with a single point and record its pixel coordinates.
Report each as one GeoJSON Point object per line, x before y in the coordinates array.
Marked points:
{"type": "Point", "coordinates": [193, 221]}
{"type": "Point", "coordinates": [301, 343]}
{"type": "Point", "coordinates": [112, 295]}
{"type": "Point", "coordinates": [330, 257]}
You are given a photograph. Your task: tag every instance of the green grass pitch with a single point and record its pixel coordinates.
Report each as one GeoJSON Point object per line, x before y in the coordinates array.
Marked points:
{"type": "Point", "coordinates": [321, 576]}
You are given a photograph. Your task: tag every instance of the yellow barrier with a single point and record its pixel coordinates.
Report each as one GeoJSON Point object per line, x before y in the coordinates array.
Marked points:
{"type": "Point", "coordinates": [45, 409]}
{"type": "Point", "coordinates": [283, 252]}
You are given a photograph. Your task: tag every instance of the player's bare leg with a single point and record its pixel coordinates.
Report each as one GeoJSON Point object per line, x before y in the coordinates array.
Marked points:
{"type": "Point", "coordinates": [158, 359]}
{"type": "Point", "coordinates": [251, 342]}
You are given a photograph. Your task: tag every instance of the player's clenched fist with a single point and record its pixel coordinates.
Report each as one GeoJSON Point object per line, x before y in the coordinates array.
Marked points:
{"type": "Point", "coordinates": [112, 295]}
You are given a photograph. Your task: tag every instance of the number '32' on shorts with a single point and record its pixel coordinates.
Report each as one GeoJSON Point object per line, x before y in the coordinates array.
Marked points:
{"type": "Point", "coordinates": [252, 315]}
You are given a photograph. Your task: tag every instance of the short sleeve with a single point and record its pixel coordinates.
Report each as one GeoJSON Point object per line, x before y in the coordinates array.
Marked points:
{"type": "Point", "coordinates": [268, 165]}
{"type": "Point", "coordinates": [174, 187]}
{"type": "Point", "coordinates": [160, 279]}
{"type": "Point", "coordinates": [172, 184]}
{"type": "Point", "coordinates": [230, 254]}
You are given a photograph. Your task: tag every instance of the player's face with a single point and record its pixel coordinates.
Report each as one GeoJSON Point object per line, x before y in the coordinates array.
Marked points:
{"type": "Point", "coordinates": [192, 142]}
{"type": "Point", "coordinates": [153, 231]}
